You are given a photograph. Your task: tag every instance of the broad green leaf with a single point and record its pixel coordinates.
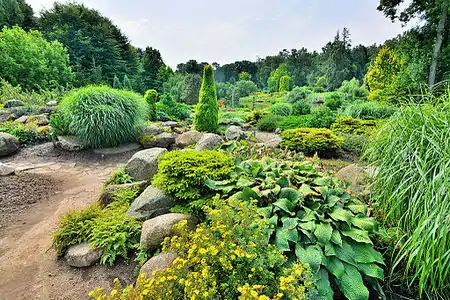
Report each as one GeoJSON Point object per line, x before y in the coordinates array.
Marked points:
{"type": "Point", "coordinates": [273, 221]}
{"type": "Point", "coordinates": [283, 182]}
{"type": "Point", "coordinates": [322, 181]}
{"type": "Point", "coordinates": [249, 194]}
{"type": "Point", "coordinates": [340, 214]}
{"type": "Point", "coordinates": [323, 232]}
{"type": "Point", "coordinates": [306, 190]}
{"type": "Point", "coordinates": [255, 170]}
{"type": "Point", "coordinates": [306, 214]}
{"type": "Point", "coordinates": [312, 255]}
{"type": "Point", "coordinates": [352, 285]}
{"type": "Point", "coordinates": [358, 208]}
{"type": "Point", "coordinates": [310, 226]}
{"type": "Point", "coordinates": [365, 253]}
{"type": "Point", "coordinates": [336, 238]}
{"type": "Point", "coordinates": [371, 270]}
{"type": "Point", "coordinates": [266, 212]}
{"type": "Point", "coordinates": [289, 223]}
{"type": "Point", "coordinates": [365, 223]}
{"type": "Point", "coordinates": [290, 194]}
{"type": "Point", "coordinates": [276, 190]}
{"type": "Point", "coordinates": [329, 249]}
{"type": "Point", "coordinates": [346, 253]}
{"type": "Point", "coordinates": [332, 200]}
{"type": "Point", "coordinates": [286, 205]}
{"type": "Point", "coordinates": [292, 235]}
{"type": "Point", "coordinates": [323, 285]}
{"type": "Point", "coordinates": [281, 240]}
{"type": "Point", "coordinates": [242, 182]}
{"type": "Point", "coordinates": [334, 266]}
{"type": "Point", "coordinates": [358, 235]}
{"type": "Point", "coordinates": [323, 190]}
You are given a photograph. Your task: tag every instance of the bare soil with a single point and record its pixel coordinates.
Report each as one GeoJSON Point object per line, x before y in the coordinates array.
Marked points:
{"type": "Point", "coordinates": [31, 202]}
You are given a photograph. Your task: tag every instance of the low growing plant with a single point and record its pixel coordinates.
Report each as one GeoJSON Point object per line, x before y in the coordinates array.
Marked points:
{"type": "Point", "coordinates": [253, 117]}
{"type": "Point", "coordinates": [349, 125]}
{"type": "Point", "coordinates": [370, 110]}
{"type": "Point", "coordinates": [301, 108]}
{"type": "Point", "coordinates": [119, 176]}
{"type": "Point", "coordinates": [25, 133]}
{"type": "Point", "coordinates": [268, 123]}
{"type": "Point", "coordinates": [321, 117]}
{"type": "Point", "coordinates": [312, 140]}
{"type": "Point", "coordinates": [293, 122]}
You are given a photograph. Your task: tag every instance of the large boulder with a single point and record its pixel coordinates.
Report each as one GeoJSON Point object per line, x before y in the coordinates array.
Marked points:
{"type": "Point", "coordinates": [162, 140]}
{"type": "Point", "coordinates": [6, 170]}
{"type": "Point", "coordinates": [151, 203]}
{"type": "Point", "coordinates": [82, 255]}
{"type": "Point", "coordinates": [9, 144]}
{"type": "Point", "coordinates": [234, 133]}
{"type": "Point", "coordinates": [151, 130]}
{"type": "Point", "coordinates": [107, 195]}
{"type": "Point", "coordinates": [209, 141]}
{"type": "Point", "coordinates": [170, 124]}
{"type": "Point", "coordinates": [13, 103]}
{"type": "Point", "coordinates": [156, 229]}
{"type": "Point", "coordinates": [159, 262]}
{"type": "Point", "coordinates": [143, 165]}
{"type": "Point", "coordinates": [68, 143]}
{"type": "Point", "coordinates": [188, 138]}
{"type": "Point", "coordinates": [356, 176]}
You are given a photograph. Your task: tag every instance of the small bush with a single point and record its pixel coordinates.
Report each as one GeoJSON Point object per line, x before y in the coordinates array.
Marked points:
{"type": "Point", "coordinates": [352, 91]}
{"type": "Point", "coordinates": [119, 176]}
{"type": "Point", "coordinates": [293, 122]}
{"type": "Point", "coordinates": [59, 124]}
{"type": "Point", "coordinates": [207, 111]}
{"type": "Point", "coordinates": [333, 101]}
{"type": "Point", "coordinates": [151, 97]}
{"type": "Point", "coordinates": [370, 110]}
{"type": "Point", "coordinates": [168, 109]}
{"type": "Point", "coordinates": [322, 117]}
{"type": "Point", "coordinates": [25, 133]}
{"type": "Point", "coordinates": [269, 123]}
{"type": "Point", "coordinates": [354, 143]}
{"type": "Point", "coordinates": [183, 173]}
{"type": "Point", "coordinates": [312, 140]}
{"type": "Point", "coordinates": [281, 109]}
{"type": "Point", "coordinates": [100, 116]}
{"type": "Point", "coordinates": [227, 257]}
{"type": "Point", "coordinates": [298, 94]}
{"type": "Point", "coordinates": [286, 83]}
{"type": "Point", "coordinates": [351, 125]}
{"type": "Point", "coordinates": [301, 108]}
{"type": "Point", "coordinates": [254, 117]}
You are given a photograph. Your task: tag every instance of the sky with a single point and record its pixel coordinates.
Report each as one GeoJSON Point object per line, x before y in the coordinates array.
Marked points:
{"type": "Point", "coordinates": [231, 30]}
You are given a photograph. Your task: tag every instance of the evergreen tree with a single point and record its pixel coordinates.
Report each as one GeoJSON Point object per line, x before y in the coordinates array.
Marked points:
{"type": "Point", "coordinates": [116, 83]}
{"type": "Point", "coordinates": [151, 63]}
{"type": "Point", "coordinates": [126, 84]}
{"type": "Point", "coordinates": [151, 96]}
{"type": "Point", "coordinates": [207, 111]}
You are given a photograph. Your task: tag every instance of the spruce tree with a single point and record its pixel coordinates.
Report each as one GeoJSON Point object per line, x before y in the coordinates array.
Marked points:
{"type": "Point", "coordinates": [207, 111]}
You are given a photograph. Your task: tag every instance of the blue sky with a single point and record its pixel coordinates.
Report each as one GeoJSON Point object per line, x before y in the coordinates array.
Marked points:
{"type": "Point", "coordinates": [226, 31]}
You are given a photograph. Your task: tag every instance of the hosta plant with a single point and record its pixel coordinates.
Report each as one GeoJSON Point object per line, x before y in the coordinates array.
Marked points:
{"type": "Point", "coordinates": [314, 219]}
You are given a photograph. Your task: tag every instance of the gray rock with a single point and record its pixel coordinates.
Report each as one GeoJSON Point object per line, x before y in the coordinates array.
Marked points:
{"type": "Point", "coordinates": [151, 203]}
{"type": "Point", "coordinates": [162, 140]}
{"type": "Point", "coordinates": [13, 103]}
{"type": "Point", "coordinates": [40, 120]}
{"type": "Point", "coordinates": [278, 131]}
{"type": "Point", "coordinates": [159, 262]}
{"type": "Point", "coordinates": [118, 150]}
{"type": "Point", "coordinates": [356, 176]}
{"type": "Point", "coordinates": [155, 230]}
{"type": "Point", "coordinates": [22, 119]}
{"type": "Point", "coordinates": [151, 129]}
{"type": "Point", "coordinates": [170, 124]}
{"type": "Point", "coordinates": [47, 109]}
{"type": "Point", "coordinates": [9, 144]}
{"type": "Point", "coordinates": [188, 138]}
{"type": "Point", "coordinates": [143, 165]}
{"type": "Point", "coordinates": [234, 133]}
{"type": "Point", "coordinates": [208, 142]}
{"type": "Point", "coordinates": [246, 126]}
{"type": "Point", "coordinates": [6, 170]}
{"type": "Point", "coordinates": [52, 103]}
{"type": "Point", "coordinates": [82, 255]}
{"type": "Point", "coordinates": [68, 143]}
{"type": "Point", "coordinates": [107, 195]}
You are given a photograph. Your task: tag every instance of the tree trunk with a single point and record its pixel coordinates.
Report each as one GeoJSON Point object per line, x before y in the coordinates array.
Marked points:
{"type": "Point", "coordinates": [437, 45]}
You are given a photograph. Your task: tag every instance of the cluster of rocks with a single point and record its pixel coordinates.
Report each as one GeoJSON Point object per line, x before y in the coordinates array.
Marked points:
{"type": "Point", "coordinates": [15, 110]}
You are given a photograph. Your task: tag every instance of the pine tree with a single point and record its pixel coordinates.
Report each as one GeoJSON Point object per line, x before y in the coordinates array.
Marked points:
{"type": "Point", "coordinates": [207, 112]}
{"type": "Point", "coordinates": [116, 83]}
{"type": "Point", "coordinates": [126, 84]}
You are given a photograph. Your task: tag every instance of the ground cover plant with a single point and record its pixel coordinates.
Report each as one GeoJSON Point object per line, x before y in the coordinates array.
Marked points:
{"type": "Point", "coordinates": [312, 140]}
{"type": "Point", "coordinates": [100, 116]}
{"type": "Point", "coordinates": [26, 133]}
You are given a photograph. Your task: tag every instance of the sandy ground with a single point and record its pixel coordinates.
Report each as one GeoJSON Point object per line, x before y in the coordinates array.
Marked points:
{"type": "Point", "coordinates": [29, 268]}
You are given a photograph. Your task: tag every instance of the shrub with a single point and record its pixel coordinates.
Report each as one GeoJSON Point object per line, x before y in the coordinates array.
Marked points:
{"type": "Point", "coordinates": [100, 116]}
{"type": "Point", "coordinates": [207, 111]}
{"type": "Point", "coordinates": [273, 82]}
{"type": "Point", "coordinates": [183, 173]}
{"type": "Point", "coordinates": [352, 91]}
{"type": "Point", "coordinates": [191, 88]}
{"type": "Point", "coordinates": [151, 97]}
{"type": "Point", "coordinates": [411, 190]}
{"type": "Point", "coordinates": [312, 140]}
{"type": "Point", "coordinates": [298, 94]}
{"type": "Point", "coordinates": [243, 88]}
{"type": "Point", "coordinates": [333, 101]}
{"type": "Point", "coordinates": [286, 83]}
{"type": "Point", "coordinates": [25, 133]}
{"type": "Point", "coordinates": [254, 117]}
{"type": "Point", "coordinates": [354, 143]}
{"type": "Point", "coordinates": [370, 110]}
{"type": "Point", "coordinates": [293, 122]}
{"type": "Point", "coordinates": [322, 117]}
{"type": "Point", "coordinates": [281, 109]}
{"type": "Point", "coordinates": [168, 109]}
{"type": "Point", "coordinates": [59, 124]}
{"type": "Point", "coordinates": [226, 258]}
{"type": "Point", "coordinates": [300, 108]}
{"type": "Point", "coordinates": [269, 123]}
{"type": "Point", "coordinates": [312, 219]}
{"type": "Point", "coordinates": [245, 76]}
{"type": "Point", "coordinates": [351, 125]}
{"type": "Point", "coordinates": [119, 176]}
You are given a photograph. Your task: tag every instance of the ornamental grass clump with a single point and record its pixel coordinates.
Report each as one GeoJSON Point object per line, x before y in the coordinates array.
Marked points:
{"type": "Point", "coordinates": [412, 154]}
{"type": "Point", "coordinates": [100, 116]}
{"type": "Point", "coordinates": [206, 117]}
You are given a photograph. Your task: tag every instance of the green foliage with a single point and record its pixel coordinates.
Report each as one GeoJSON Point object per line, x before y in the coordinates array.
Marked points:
{"type": "Point", "coordinates": [191, 89]}
{"type": "Point", "coordinates": [351, 125]}
{"type": "Point", "coordinates": [227, 257]}
{"type": "Point", "coordinates": [286, 83]}
{"type": "Point", "coordinates": [230, 118]}
{"type": "Point", "coordinates": [333, 101]}
{"type": "Point", "coordinates": [60, 125]}
{"type": "Point", "coordinates": [281, 109]}
{"type": "Point", "coordinates": [27, 59]}
{"type": "Point", "coordinates": [206, 115]}
{"type": "Point", "coordinates": [116, 83]}
{"type": "Point", "coordinates": [254, 117]}
{"type": "Point", "coordinates": [100, 116]}
{"type": "Point", "coordinates": [183, 173]}
{"type": "Point", "coordinates": [412, 152]}
{"type": "Point", "coordinates": [243, 88]}
{"type": "Point", "coordinates": [293, 122]}
{"type": "Point", "coordinates": [298, 94]}
{"type": "Point", "coordinates": [301, 108]}
{"type": "Point", "coordinates": [25, 133]}
{"type": "Point", "coordinates": [245, 76]}
{"type": "Point", "coordinates": [370, 110]}
{"type": "Point", "coordinates": [354, 143]}
{"type": "Point", "coordinates": [16, 12]}
{"type": "Point", "coordinates": [313, 219]}
{"type": "Point", "coordinates": [273, 83]}
{"type": "Point", "coordinates": [352, 91]}
{"type": "Point", "coordinates": [312, 140]}
{"type": "Point", "coordinates": [173, 110]}
{"type": "Point", "coordinates": [269, 123]}
{"type": "Point", "coordinates": [151, 97]}
{"type": "Point", "coordinates": [119, 176]}
{"type": "Point", "coordinates": [322, 117]}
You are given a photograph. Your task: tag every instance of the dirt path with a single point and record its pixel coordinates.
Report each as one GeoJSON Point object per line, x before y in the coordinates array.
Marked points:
{"type": "Point", "coordinates": [29, 268]}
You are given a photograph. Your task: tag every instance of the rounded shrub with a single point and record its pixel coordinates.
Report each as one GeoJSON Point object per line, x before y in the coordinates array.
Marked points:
{"type": "Point", "coordinates": [281, 109]}
{"type": "Point", "coordinates": [269, 123]}
{"type": "Point", "coordinates": [322, 117]}
{"type": "Point", "coordinates": [301, 108]}
{"type": "Point", "coordinates": [333, 101]}
{"type": "Point", "coordinates": [298, 93]}
{"type": "Point", "coordinates": [151, 96]}
{"type": "Point", "coordinates": [100, 116]}
{"type": "Point", "coordinates": [207, 112]}
{"type": "Point", "coordinates": [351, 125]}
{"type": "Point", "coordinates": [293, 122]}
{"type": "Point", "coordinates": [312, 140]}
{"type": "Point", "coordinates": [286, 83]}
